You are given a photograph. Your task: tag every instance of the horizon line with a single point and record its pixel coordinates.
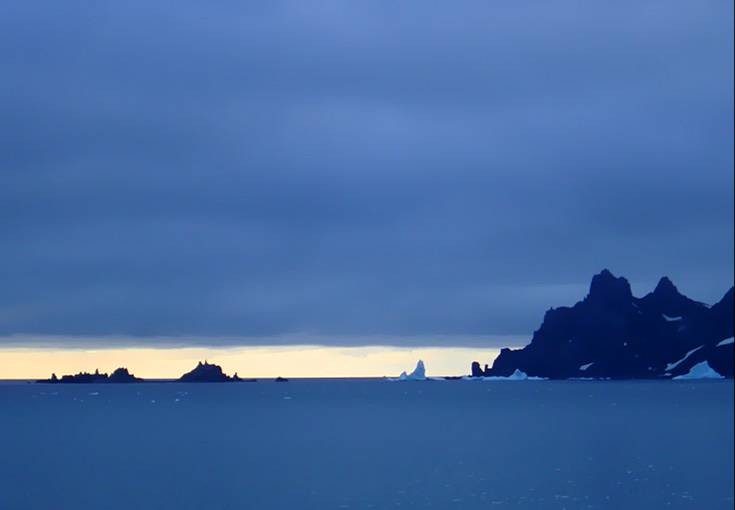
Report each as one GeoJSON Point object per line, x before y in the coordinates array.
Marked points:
{"type": "Point", "coordinates": [263, 362]}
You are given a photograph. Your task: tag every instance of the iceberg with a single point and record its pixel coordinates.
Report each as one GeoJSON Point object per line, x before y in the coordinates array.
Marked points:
{"type": "Point", "coordinates": [726, 341]}
{"type": "Point", "coordinates": [418, 374]}
{"type": "Point", "coordinates": [700, 371]}
{"type": "Point", "coordinates": [517, 375]}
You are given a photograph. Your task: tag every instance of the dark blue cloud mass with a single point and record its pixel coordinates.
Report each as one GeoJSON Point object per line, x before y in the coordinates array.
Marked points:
{"type": "Point", "coordinates": [346, 169]}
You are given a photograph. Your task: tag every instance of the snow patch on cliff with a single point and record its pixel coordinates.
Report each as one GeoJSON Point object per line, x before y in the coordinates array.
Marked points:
{"type": "Point", "coordinates": [670, 319]}
{"type": "Point", "coordinates": [672, 366]}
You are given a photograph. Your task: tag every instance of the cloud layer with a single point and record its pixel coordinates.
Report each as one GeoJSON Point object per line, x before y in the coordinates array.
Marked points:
{"type": "Point", "coordinates": [352, 169]}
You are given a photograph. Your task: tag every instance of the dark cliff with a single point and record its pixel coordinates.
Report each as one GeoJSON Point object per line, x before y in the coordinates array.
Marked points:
{"type": "Point", "coordinates": [612, 334]}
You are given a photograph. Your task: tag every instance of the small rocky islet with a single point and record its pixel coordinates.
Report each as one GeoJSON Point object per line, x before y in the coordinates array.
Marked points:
{"type": "Point", "coordinates": [210, 372]}
{"type": "Point", "coordinates": [203, 372]}
{"type": "Point", "coordinates": [120, 375]}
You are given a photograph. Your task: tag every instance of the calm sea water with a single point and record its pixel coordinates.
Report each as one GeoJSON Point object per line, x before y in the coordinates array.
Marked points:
{"type": "Point", "coordinates": [334, 444]}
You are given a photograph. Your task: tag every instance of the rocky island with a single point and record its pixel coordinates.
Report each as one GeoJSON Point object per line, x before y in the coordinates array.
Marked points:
{"type": "Point", "coordinates": [209, 372]}
{"type": "Point", "coordinates": [120, 375]}
{"type": "Point", "coordinates": [612, 334]}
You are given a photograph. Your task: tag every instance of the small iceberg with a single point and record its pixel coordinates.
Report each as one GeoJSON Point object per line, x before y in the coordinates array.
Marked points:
{"type": "Point", "coordinates": [700, 371]}
{"type": "Point", "coordinates": [418, 374]}
{"type": "Point", "coordinates": [517, 375]}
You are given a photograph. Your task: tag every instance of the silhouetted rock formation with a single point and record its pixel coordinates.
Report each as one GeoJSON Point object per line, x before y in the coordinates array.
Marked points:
{"type": "Point", "coordinates": [612, 334]}
{"type": "Point", "coordinates": [477, 371]}
{"type": "Point", "coordinates": [281, 379]}
{"type": "Point", "coordinates": [120, 375]}
{"type": "Point", "coordinates": [207, 372]}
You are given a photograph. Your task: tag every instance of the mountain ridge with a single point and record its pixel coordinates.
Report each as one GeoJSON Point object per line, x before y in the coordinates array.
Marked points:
{"type": "Point", "coordinates": [612, 334]}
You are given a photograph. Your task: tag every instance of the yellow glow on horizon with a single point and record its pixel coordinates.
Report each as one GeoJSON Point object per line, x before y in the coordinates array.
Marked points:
{"type": "Point", "coordinates": [260, 361]}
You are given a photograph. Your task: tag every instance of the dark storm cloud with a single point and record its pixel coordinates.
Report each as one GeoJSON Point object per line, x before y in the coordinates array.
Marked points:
{"type": "Point", "coordinates": [356, 169]}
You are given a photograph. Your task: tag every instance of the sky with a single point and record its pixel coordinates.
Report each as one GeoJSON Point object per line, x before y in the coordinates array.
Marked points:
{"type": "Point", "coordinates": [352, 174]}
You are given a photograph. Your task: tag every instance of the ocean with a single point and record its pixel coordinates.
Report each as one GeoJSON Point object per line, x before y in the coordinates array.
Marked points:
{"type": "Point", "coordinates": [368, 443]}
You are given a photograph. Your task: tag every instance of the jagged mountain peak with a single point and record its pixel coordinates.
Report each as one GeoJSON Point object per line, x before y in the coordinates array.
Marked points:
{"type": "Point", "coordinates": [727, 299]}
{"type": "Point", "coordinates": [613, 334]}
{"type": "Point", "coordinates": [667, 299]}
{"type": "Point", "coordinates": [607, 287]}
{"type": "Point", "coordinates": [666, 287]}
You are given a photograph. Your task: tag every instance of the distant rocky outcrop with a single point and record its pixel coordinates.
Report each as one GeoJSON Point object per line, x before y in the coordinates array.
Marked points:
{"type": "Point", "coordinates": [208, 372]}
{"type": "Point", "coordinates": [612, 334]}
{"type": "Point", "coordinates": [120, 375]}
